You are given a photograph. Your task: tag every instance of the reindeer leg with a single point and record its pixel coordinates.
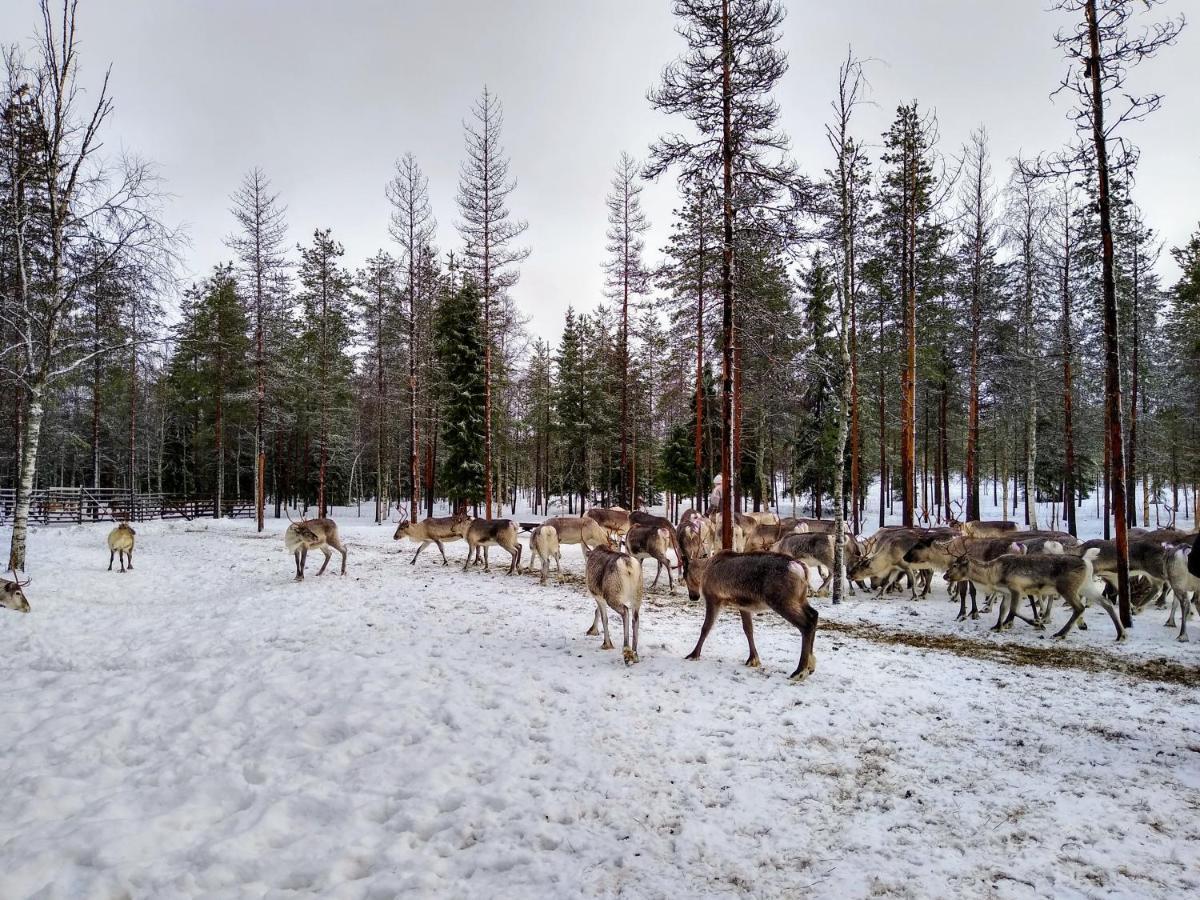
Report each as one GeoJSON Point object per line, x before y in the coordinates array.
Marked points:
{"type": "Point", "coordinates": [111, 556]}
{"type": "Point", "coordinates": [710, 616]}
{"type": "Point", "coordinates": [804, 617]}
{"type": "Point", "coordinates": [328, 555]}
{"type": "Point", "coordinates": [130, 566]}
{"type": "Point", "coordinates": [299, 571]}
{"type": "Point", "coordinates": [470, 551]}
{"type": "Point", "coordinates": [637, 624]}
{"type": "Point", "coordinates": [627, 651]}
{"type": "Point", "coordinates": [1185, 605]}
{"type": "Point", "coordinates": [516, 558]}
{"type": "Point", "coordinates": [303, 560]}
{"type": "Point", "coordinates": [1116, 620]}
{"type": "Point", "coordinates": [1001, 618]}
{"type": "Point", "coordinates": [670, 580]}
{"type": "Point", "coordinates": [657, 572]}
{"type": "Point", "coordinates": [603, 604]}
{"type": "Point", "coordinates": [748, 626]}
{"type": "Point", "coordinates": [1076, 612]}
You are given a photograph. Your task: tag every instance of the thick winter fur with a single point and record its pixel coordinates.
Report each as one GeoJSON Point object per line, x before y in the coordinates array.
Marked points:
{"type": "Point", "coordinates": [977, 528]}
{"type": "Point", "coordinates": [807, 526]}
{"type": "Point", "coordinates": [814, 550]}
{"type": "Point", "coordinates": [434, 531]}
{"type": "Point", "coordinates": [652, 542]}
{"type": "Point", "coordinates": [12, 596]}
{"type": "Point", "coordinates": [543, 545]}
{"type": "Point", "coordinates": [483, 533]}
{"type": "Point", "coordinates": [753, 582]}
{"type": "Point", "coordinates": [313, 534]}
{"type": "Point", "coordinates": [1184, 585]}
{"type": "Point", "coordinates": [938, 555]}
{"type": "Point", "coordinates": [614, 580]}
{"type": "Point", "coordinates": [696, 538]}
{"type": "Point", "coordinates": [120, 544]}
{"type": "Point", "coordinates": [885, 562]}
{"type": "Point", "coordinates": [1147, 559]}
{"type": "Point", "coordinates": [582, 530]}
{"type": "Point", "coordinates": [614, 520]}
{"type": "Point", "coordinates": [641, 517]}
{"type": "Point", "coordinates": [1036, 575]}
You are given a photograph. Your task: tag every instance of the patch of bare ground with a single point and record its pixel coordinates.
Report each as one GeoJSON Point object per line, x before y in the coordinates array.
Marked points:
{"type": "Point", "coordinates": [1018, 654]}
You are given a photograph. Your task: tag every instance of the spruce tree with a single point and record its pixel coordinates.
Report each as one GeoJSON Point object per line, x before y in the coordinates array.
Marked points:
{"type": "Point", "coordinates": [459, 346]}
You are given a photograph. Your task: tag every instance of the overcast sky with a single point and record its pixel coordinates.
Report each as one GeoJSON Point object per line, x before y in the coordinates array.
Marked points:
{"type": "Point", "coordinates": [324, 96]}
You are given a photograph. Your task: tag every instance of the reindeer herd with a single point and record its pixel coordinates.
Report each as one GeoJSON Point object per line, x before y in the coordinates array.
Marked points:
{"type": "Point", "coordinates": [773, 559]}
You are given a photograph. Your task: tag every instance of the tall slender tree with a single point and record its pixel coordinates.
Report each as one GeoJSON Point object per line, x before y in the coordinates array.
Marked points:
{"type": "Point", "coordinates": [722, 84]}
{"type": "Point", "coordinates": [626, 276]}
{"type": "Point", "coordinates": [489, 233]}
{"type": "Point", "coordinates": [259, 245]}
{"type": "Point", "coordinates": [412, 227]}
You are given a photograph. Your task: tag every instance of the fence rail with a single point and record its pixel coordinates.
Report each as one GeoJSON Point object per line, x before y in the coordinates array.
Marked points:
{"type": "Point", "coordinates": [73, 506]}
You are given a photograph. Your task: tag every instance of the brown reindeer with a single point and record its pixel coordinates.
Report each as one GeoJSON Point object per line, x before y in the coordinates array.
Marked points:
{"type": "Point", "coordinates": [433, 531]}
{"type": "Point", "coordinates": [120, 544]}
{"type": "Point", "coordinates": [483, 533]}
{"type": "Point", "coordinates": [754, 582]}
{"type": "Point", "coordinates": [641, 517]}
{"type": "Point", "coordinates": [978, 528]}
{"type": "Point", "coordinates": [13, 597]}
{"type": "Point", "coordinates": [614, 580]}
{"type": "Point", "coordinates": [313, 534]}
{"type": "Point", "coordinates": [652, 542]}
{"type": "Point", "coordinates": [582, 530]}
{"type": "Point", "coordinates": [614, 520]}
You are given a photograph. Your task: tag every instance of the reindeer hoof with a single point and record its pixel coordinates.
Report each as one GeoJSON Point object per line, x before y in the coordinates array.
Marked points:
{"type": "Point", "coordinates": [1122, 637]}
{"type": "Point", "coordinates": [1082, 625]}
{"type": "Point", "coordinates": [961, 617]}
{"type": "Point", "coordinates": [298, 578]}
{"type": "Point", "coordinates": [1183, 639]}
{"type": "Point", "coordinates": [607, 645]}
{"type": "Point", "coordinates": [754, 662]}
{"type": "Point", "coordinates": [592, 632]}
{"type": "Point", "coordinates": [693, 655]}
{"type": "Point", "coordinates": [630, 657]}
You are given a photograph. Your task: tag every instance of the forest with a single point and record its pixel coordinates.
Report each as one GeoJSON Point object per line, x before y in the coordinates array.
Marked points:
{"type": "Point", "coordinates": [910, 325]}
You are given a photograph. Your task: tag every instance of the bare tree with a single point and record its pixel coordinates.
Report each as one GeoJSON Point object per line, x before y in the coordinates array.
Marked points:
{"type": "Point", "coordinates": [978, 226]}
{"type": "Point", "coordinates": [79, 201]}
{"type": "Point", "coordinates": [848, 177]}
{"type": "Point", "coordinates": [263, 265]}
{"type": "Point", "coordinates": [489, 234]}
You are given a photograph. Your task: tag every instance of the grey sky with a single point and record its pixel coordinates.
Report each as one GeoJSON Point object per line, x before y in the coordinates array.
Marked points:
{"type": "Point", "coordinates": [324, 96]}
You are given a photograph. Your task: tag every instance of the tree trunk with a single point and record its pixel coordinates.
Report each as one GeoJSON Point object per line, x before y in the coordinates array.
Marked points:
{"type": "Point", "coordinates": [1112, 355]}
{"type": "Point", "coordinates": [726, 282]}
{"type": "Point", "coordinates": [29, 443]}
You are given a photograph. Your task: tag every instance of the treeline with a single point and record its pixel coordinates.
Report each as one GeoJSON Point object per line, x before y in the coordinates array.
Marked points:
{"type": "Point", "coordinates": [911, 327]}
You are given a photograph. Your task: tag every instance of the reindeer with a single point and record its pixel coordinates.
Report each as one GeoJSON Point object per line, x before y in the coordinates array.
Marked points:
{"type": "Point", "coordinates": [641, 517]}
{"type": "Point", "coordinates": [932, 555]}
{"type": "Point", "coordinates": [120, 544]}
{"type": "Point", "coordinates": [483, 533]}
{"type": "Point", "coordinates": [614, 580]}
{"type": "Point", "coordinates": [754, 582]}
{"type": "Point", "coordinates": [1036, 575]}
{"type": "Point", "coordinates": [543, 543]}
{"type": "Point", "coordinates": [313, 534]}
{"type": "Point", "coordinates": [652, 542]}
{"type": "Point", "coordinates": [977, 528]}
{"type": "Point", "coordinates": [13, 597]}
{"type": "Point", "coordinates": [1184, 585]}
{"type": "Point", "coordinates": [433, 531]}
{"type": "Point", "coordinates": [695, 537]}
{"type": "Point", "coordinates": [582, 530]}
{"type": "Point", "coordinates": [614, 520]}
{"type": "Point", "coordinates": [1147, 559]}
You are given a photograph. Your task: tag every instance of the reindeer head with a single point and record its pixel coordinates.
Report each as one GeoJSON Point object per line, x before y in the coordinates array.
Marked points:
{"type": "Point", "coordinates": [300, 532]}
{"type": "Point", "coordinates": [12, 597]}
{"type": "Point", "coordinates": [403, 525]}
{"type": "Point", "coordinates": [958, 568]}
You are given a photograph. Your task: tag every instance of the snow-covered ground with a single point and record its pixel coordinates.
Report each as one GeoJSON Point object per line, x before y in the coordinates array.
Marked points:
{"type": "Point", "coordinates": [203, 726]}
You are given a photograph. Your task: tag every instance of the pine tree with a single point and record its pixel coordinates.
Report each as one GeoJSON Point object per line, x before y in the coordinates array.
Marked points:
{"type": "Point", "coordinates": [489, 234]}
{"type": "Point", "coordinates": [325, 288]}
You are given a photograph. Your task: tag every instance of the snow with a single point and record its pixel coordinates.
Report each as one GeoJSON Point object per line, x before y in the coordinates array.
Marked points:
{"type": "Point", "coordinates": [204, 726]}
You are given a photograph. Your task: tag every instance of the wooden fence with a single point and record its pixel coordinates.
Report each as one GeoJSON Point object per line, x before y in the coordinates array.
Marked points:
{"type": "Point", "coordinates": [73, 506]}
